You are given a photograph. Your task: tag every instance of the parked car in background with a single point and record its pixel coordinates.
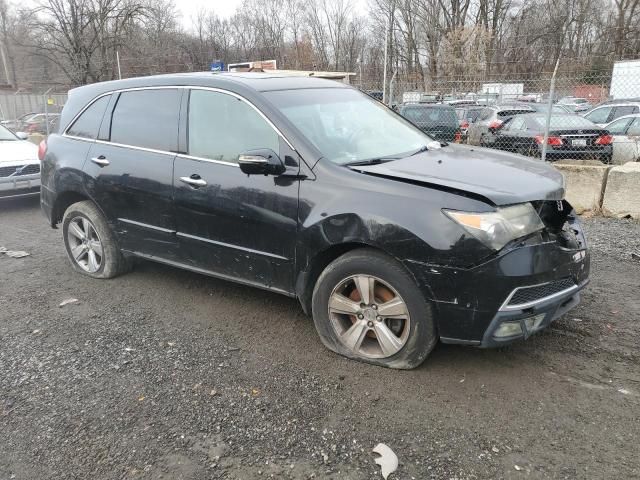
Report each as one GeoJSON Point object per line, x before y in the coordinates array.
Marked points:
{"type": "Point", "coordinates": [482, 131]}
{"type": "Point", "coordinates": [625, 132]}
{"type": "Point", "coordinates": [421, 97]}
{"type": "Point", "coordinates": [312, 189]}
{"type": "Point", "coordinates": [461, 103]}
{"type": "Point", "coordinates": [576, 104]}
{"type": "Point", "coordinates": [19, 165]}
{"type": "Point", "coordinates": [437, 120]}
{"type": "Point", "coordinates": [540, 107]}
{"type": "Point", "coordinates": [466, 116]}
{"type": "Point", "coordinates": [570, 137]}
{"type": "Point", "coordinates": [38, 123]}
{"type": "Point", "coordinates": [605, 114]}
{"type": "Point", "coordinates": [619, 100]}
{"type": "Point", "coordinates": [17, 124]}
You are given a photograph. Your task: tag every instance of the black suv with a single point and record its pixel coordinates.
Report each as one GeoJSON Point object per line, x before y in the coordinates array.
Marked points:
{"type": "Point", "coordinates": [437, 121]}
{"type": "Point", "coordinates": [312, 189]}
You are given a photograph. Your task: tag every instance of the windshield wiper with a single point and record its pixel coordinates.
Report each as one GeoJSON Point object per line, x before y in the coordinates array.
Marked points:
{"type": "Point", "coordinates": [371, 161]}
{"type": "Point", "coordinates": [422, 149]}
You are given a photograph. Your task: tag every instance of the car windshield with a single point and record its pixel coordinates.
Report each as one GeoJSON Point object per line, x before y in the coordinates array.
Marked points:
{"type": "Point", "coordinates": [563, 121]}
{"type": "Point", "coordinates": [346, 125]}
{"type": "Point", "coordinates": [6, 135]}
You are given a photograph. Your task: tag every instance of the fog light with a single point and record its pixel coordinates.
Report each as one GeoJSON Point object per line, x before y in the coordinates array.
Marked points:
{"type": "Point", "coordinates": [533, 323]}
{"type": "Point", "coordinates": [508, 329]}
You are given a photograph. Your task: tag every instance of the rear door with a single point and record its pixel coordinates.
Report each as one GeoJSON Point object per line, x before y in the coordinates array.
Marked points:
{"type": "Point", "coordinates": [132, 167]}
{"type": "Point", "coordinates": [234, 225]}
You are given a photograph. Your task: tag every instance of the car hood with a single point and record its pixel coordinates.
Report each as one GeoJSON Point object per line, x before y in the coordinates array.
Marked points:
{"type": "Point", "coordinates": [499, 177]}
{"type": "Point", "coordinates": [18, 151]}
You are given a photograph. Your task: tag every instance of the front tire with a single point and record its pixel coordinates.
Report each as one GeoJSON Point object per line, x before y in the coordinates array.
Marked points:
{"type": "Point", "coordinates": [90, 243]}
{"type": "Point", "coordinates": [367, 307]}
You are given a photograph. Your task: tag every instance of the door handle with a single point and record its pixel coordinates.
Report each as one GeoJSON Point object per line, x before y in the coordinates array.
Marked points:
{"type": "Point", "coordinates": [101, 160]}
{"type": "Point", "coordinates": [194, 181]}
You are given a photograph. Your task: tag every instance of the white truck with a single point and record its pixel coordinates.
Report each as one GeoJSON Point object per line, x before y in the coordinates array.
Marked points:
{"type": "Point", "coordinates": [502, 91]}
{"type": "Point", "coordinates": [625, 79]}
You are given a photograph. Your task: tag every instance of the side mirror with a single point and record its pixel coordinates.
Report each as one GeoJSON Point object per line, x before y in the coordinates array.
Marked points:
{"type": "Point", "coordinates": [261, 162]}
{"type": "Point", "coordinates": [22, 135]}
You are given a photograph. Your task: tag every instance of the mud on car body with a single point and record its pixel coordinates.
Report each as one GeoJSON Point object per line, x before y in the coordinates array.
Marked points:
{"type": "Point", "coordinates": [309, 188]}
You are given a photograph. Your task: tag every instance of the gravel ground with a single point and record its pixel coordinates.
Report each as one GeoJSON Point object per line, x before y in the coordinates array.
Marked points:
{"type": "Point", "coordinates": [167, 374]}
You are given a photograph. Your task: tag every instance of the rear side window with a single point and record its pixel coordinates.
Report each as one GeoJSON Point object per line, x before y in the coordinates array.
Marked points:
{"type": "Point", "coordinates": [147, 119]}
{"type": "Point", "coordinates": [221, 127]}
{"type": "Point", "coordinates": [517, 124]}
{"type": "Point", "coordinates": [486, 114]}
{"type": "Point", "coordinates": [431, 116]}
{"type": "Point", "coordinates": [88, 123]}
{"type": "Point", "coordinates": [472, 115]}
{"type": "Point", "coordinates": [624, 110]}
{"type": "Point", "coordinates": [599, 115]}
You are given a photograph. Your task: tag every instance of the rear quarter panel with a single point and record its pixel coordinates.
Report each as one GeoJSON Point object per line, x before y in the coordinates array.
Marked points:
{"type": "Point", "coordinates": [61, 171]}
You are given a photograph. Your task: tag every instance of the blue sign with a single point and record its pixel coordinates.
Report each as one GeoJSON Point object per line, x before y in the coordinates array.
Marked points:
{"type": "Point", "coordinates": [217, 66]}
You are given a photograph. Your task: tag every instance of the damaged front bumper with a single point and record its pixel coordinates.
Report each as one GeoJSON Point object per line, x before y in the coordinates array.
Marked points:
{"type": "Point", "coordinates": [512, 295]}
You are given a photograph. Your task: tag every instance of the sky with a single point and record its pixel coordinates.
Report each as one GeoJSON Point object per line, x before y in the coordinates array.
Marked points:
{"type": "Point", "coordinates": [189, 8]}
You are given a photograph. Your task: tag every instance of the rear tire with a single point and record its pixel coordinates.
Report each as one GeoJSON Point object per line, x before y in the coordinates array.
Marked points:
{"type": "Point", "coordinates": [392, 325]}
{"type": "Point", "coordinates": [91, 245]}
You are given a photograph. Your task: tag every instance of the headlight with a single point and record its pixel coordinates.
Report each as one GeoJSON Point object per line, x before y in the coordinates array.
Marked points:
{"type": "Point", "coordinates": [496, 229]}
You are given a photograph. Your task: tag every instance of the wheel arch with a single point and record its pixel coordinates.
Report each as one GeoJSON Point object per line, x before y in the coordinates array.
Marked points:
{"type": "Point", "coordinates": [67, 198]}
{"type": "Point", "coordinates": [63, 201]}
{"type": "Point", "coordinates": [306, 280]}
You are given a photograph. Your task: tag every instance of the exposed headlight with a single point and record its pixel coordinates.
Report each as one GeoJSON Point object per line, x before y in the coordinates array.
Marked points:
{"type": "Point", "coordinates": [496, 229]}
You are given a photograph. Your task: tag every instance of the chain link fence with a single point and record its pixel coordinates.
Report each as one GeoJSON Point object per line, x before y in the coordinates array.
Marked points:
{"type": "Point", "coordinates": [587, 116]}
{"type": "Point", "coordinates": [592, 114]}
{"type": "Point", "coordinates": [35, 114]}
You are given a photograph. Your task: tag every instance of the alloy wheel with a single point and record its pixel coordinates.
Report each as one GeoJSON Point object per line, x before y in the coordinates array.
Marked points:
{"type": "Point", "coordinates": [85, 245]}
{"type": "Point", "coordinates": [369, 316]}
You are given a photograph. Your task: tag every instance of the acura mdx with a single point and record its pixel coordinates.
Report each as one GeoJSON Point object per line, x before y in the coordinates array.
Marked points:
{"type": "Point", "coordinates": [312, 189]}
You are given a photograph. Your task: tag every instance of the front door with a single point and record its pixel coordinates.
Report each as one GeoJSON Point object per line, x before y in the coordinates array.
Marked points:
{"type": "Point", "coordinates": [132, 168]}
{"type": "Point", "coordinates": [234, 225]}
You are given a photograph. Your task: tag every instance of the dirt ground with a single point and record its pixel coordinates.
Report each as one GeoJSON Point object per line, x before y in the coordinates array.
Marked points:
{"type": "Point", "coordinates": [167, 374]}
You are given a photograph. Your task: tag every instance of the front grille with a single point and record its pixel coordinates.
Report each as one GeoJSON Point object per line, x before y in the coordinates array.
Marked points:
{"type": "Point", "coordinates": [19, 170]}
{"type": "Point", "coordinates": [531, 294]}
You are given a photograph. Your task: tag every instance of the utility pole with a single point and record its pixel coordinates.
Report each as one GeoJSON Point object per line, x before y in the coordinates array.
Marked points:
{"type": "Point", "coordinates": [386, 52]}
{"type": "Point", "coordinates": [118, 60]}
{"type": "Point", "coordinates": [4, 64]}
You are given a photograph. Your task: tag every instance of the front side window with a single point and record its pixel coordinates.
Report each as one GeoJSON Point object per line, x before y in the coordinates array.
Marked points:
{"type": "Point", "coordinates": [619, 126]}
{"type": "Point", "coordinates": [634, 128]}
{"type": "Point", "coordinates": [88, 123]}
{"type": "Point", "coordinates": [599, 115]}
{"type": "Point", "coordinates": [222, 126]}
{"type": "Point", "coordinates": [147, 119]}
{"type": "Point", "coordinates": [347, 126]}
